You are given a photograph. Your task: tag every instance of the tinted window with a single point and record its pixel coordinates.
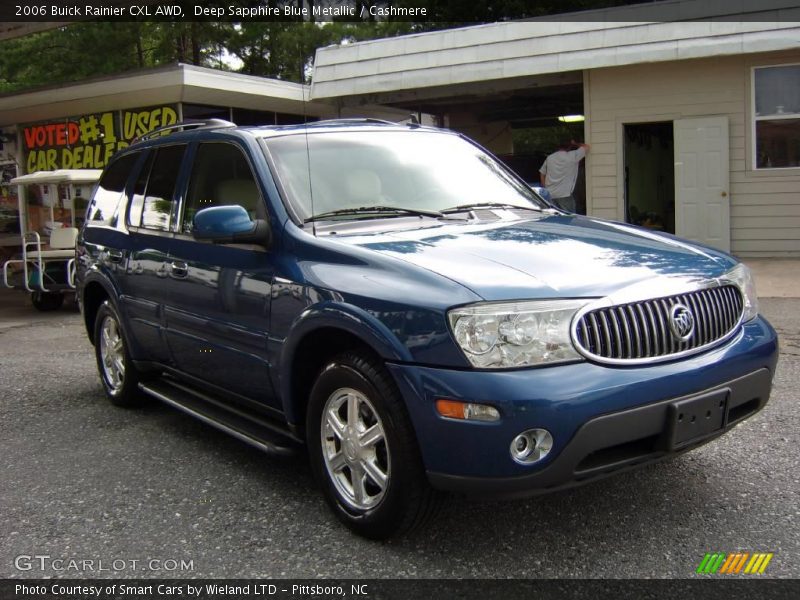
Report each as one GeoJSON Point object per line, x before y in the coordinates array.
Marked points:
{"type": "Point", "coordinates": [104, 207]}
{"type": "Point", "coordinates": [160, 195]}
{"type": "Point", "coordinates": [221, 176]}
{"type": "Point", "coordinates": [137, 200]}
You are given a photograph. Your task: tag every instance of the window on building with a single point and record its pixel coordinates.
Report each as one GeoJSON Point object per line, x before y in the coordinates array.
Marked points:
{"type": "Point", "coordinates": [777, 116]}
{"type": "Point", "coordinates": [160, 195]}
{"type": "Point", "coordinates": [104, 208]}
{"type": "Point", "coordinates": [247, 117]}
{"type": "Point", "coordinates": [221, 176]}
{"type": "Point", "coordinates": [205, 111]}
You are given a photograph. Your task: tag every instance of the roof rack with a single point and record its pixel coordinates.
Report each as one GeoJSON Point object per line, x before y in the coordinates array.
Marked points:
{"type": "Point", "coordinates": [351, 120]}
{"type": "Point", "coordinates": [205, 124]}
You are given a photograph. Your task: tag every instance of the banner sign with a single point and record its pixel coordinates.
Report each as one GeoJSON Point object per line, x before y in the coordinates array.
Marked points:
{"type": "Point", "coordinates": [89, 141]}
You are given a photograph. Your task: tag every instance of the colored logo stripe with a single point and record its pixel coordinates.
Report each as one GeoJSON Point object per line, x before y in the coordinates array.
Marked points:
{"type": "Point", "coordinates": [711, 562]}
{"type": "Point", "coordinates": [722, 563]}
{"type": "Point", "coordinates": [758, 563]}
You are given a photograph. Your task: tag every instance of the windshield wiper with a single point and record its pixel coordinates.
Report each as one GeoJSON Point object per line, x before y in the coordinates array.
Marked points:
{"type": "Point", "coordinates": [376, 210]}
{"type": "Point", "coordinates": [463, 207]}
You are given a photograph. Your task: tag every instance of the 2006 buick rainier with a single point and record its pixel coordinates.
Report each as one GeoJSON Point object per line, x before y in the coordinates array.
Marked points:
{"type": "Point", "coordinates": [397, 302]}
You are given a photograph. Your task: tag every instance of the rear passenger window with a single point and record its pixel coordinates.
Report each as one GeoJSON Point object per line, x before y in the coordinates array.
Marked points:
{"type": "Point", "coordinates": [104, 207]}
{"type": "Point", "coordinates": [221, 176]}
{"type": "Point", "coordinates": [159, 196]}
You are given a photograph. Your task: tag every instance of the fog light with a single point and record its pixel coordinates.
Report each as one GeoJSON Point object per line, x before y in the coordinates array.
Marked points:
{"type": "Point", "coordinates": [467, 411]}
{"type": "Point", "coordinates": [531, 446]}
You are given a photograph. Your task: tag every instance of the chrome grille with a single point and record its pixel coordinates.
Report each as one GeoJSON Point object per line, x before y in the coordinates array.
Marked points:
{"type": "Point", "coordinates": [641, 330]}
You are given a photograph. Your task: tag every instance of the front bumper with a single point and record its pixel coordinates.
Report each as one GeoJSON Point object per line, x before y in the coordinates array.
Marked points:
{"type": "Point", "coordinates": [621, 441]}
{"type": "Point", "coordinates": [603, 419]}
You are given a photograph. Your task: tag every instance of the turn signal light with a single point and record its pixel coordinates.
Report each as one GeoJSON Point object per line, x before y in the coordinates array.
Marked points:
{"type": "Point", "coordinates": [466, 411]}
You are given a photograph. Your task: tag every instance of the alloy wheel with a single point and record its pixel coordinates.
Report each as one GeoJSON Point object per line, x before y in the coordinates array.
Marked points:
{"type": "Point", "coordinates": [354, 449]}
{"type": "Point", "coordinates": [112, 353]}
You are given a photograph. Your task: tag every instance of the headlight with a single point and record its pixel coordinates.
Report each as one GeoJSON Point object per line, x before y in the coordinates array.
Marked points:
{"type": "Point", "coordinates": [515, 334]}
{"type": "Point", "coordinates": [743, 278]}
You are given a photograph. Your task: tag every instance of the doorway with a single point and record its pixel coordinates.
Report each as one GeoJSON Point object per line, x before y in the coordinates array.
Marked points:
{"type": "Point", "coordinates": [649, 163]}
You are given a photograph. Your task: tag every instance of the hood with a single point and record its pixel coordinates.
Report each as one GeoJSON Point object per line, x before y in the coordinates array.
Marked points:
{"type": "Point", "coordinates": [549, 257]}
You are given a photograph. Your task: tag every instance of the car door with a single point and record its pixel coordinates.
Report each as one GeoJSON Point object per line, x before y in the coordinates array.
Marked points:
{"type": "Point", "coordinates": [219, 294]}
{"type": "Point", "coordinates": [155, 194]}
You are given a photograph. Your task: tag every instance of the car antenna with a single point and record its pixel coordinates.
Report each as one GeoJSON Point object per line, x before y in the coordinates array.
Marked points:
{"type": "Point", "coordinates": [305, 134]}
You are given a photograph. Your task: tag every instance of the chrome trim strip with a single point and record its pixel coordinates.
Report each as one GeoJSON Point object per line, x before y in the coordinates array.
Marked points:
{"type": "Point", "coordinates": [617, 332]}
{"type": "Point", "coordinates": [645, 328]}
{"type": "Point", "coordinates": [606, 332]}
{"type": "Point", "coordinates": [628, 338]}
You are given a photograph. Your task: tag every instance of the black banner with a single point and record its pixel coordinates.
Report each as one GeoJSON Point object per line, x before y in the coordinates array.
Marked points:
{"type": "Point", "coordinates": [419, 11]}
{"type": "Point", "coordinates": [395, 589]}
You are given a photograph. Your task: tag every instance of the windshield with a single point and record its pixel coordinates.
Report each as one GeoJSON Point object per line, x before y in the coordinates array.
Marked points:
{"type": "Point", "coordinates": [409, 170]}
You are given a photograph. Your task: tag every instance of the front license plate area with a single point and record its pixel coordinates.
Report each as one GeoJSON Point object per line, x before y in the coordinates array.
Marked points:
{"type": "Point", "coordinates": [695, 418]}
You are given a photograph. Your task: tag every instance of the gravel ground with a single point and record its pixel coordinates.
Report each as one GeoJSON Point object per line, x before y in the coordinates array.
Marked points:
{"type": "Point", "coordinates": [86, 481]}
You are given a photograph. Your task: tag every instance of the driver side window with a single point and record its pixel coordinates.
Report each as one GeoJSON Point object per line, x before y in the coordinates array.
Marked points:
{"type": "Point", "coordinates": [221, 176]}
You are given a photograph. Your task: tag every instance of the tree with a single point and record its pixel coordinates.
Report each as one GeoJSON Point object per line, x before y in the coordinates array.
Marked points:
{"type": "Point", "coordinates": [70, 53]}
{"type": "Point", "coordinates": [283, 48]}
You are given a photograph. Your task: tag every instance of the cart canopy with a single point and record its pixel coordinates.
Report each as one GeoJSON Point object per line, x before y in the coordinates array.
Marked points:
{"type": "Point", "coordinates": [77, 176]}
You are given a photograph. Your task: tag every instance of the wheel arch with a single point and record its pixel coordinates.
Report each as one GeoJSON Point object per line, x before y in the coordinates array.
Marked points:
{"type": "Point", "coordinates": [320, 334]}
{"type": "Point", "coordinates": [94, 291]}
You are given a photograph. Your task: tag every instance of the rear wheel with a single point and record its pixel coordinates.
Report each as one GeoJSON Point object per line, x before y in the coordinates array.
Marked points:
{"type": "Point", "coordinates": [363, 450]}
{"type": "Point", "coordinates": [47, 301]}
{"type": "Point", "coordinates": [120, 378]}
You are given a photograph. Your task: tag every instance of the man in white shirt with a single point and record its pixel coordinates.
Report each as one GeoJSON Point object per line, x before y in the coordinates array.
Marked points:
{"type": "Point", "coordinates": [560, 171]}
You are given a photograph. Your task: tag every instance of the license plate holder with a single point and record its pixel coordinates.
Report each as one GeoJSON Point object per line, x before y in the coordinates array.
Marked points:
{"type": "Point", "coordinates": [697, 417]}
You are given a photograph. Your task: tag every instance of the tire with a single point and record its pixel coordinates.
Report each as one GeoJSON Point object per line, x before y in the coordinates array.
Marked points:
{"type": "Point", "coordinates": [47, 301]}
{"type": "Point", "coordinates": [376, 485]}
{"type": "Point", "coordinates": [119, 377]}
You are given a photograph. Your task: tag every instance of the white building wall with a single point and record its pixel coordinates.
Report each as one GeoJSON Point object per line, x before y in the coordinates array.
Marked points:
{"type": "Point", "coordinates": [765, 204]}
{"type": "Point", "coordinates": [493, 52]}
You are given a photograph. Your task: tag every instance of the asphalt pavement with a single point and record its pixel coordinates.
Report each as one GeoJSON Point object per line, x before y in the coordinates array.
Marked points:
{"type": "Point", "coordinates": [154, 493]}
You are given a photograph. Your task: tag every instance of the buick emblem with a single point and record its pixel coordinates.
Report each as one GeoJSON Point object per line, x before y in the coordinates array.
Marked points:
{"type": "Point", "coordinates": [681, 322]}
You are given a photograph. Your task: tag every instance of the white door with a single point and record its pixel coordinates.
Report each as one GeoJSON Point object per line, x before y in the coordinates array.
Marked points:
{"type": "Point", "coordinates": [702, 174]}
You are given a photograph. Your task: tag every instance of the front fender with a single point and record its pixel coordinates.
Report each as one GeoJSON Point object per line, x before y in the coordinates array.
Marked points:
{"type": "Point", "coordinates": [334, 315]}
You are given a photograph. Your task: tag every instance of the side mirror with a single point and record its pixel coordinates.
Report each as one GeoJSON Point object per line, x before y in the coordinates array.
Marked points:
{"type": "Point", "coordinates": [229, 225]}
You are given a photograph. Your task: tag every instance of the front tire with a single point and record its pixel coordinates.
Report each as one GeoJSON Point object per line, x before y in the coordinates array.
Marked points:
{"type": "Point", "coordinates": [363, 450]}
{"type": "Point", "coordinates": [119, 377]}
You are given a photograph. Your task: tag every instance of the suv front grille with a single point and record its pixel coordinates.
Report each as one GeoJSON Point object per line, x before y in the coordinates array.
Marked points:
{"type": "Point", "coordinates": [649, 331]}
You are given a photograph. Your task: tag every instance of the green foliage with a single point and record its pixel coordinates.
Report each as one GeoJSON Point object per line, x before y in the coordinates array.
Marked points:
{"type": "Point", "coordinates": [84, 50]}
{"type": "Point", "coordinates": [67, 54]}
{"type": "Point", "coordinates": [544, 140]}
{"type": "Point", "coordinates": [286, 50]}
{"type": "Point", "coordinates": [282, 49]}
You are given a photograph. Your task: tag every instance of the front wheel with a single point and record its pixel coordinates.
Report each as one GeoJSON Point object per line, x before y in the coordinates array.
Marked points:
{"type": "Point", "coordinates": [119, 377]}
{"type": "Point", "coordinates": [364, 452]}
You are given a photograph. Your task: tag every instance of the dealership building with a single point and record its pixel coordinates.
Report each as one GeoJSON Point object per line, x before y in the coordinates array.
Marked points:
{"type": "Point", "coordinates": [693, 121]}
{"type": "Point", "coordinates": [694, 125]}
{"type": "Point", "coordinates": [81, 125]}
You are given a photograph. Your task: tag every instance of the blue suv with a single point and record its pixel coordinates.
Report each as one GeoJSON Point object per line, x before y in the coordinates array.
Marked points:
{"type": "Point", "coordinates": [395, 300]}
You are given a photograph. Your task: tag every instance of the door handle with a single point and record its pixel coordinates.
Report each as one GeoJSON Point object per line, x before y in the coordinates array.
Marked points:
{"type": "Point", "coordinates": [114, 256]}
{"type": "Point", "coordinates": [179, 269]}
{"type": "Point", "coordinates": [724, 194]}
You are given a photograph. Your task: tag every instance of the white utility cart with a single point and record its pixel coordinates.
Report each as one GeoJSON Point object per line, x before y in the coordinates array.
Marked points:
{"type": "Point", "coordinates": [52, 206]}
